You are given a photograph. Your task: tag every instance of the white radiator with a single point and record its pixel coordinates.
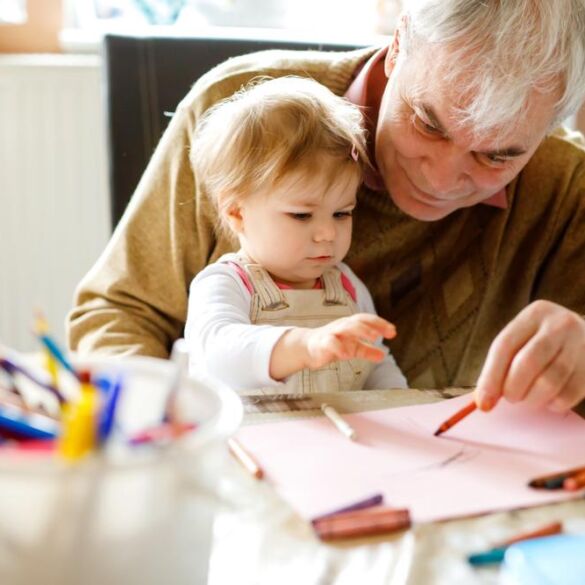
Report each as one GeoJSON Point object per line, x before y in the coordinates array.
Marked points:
{"type": "Point", "coordinates": [54, 205]}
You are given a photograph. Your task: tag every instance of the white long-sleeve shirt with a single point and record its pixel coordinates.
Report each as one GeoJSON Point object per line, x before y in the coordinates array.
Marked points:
{"type": "Point", "coordinates": [224, 344]}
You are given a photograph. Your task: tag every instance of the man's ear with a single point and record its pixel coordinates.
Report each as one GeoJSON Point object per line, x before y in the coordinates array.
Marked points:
{"type": "Point", "coordinates": [394, 49]}
{"type": "Point", "coordinates": [235, 218]}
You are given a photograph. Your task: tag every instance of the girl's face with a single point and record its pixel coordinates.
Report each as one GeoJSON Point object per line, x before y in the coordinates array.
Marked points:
{"type": "Point", "coordinates": [298, 227]}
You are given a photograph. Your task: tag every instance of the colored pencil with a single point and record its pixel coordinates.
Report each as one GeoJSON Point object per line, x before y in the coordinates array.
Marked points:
{"type": "Point", "coordinates": [457, 417]}
{"type": "Point", "coordinates": [340, 424]}
{"type": "Point", "coordinates": [27, 425]}
{"type": "Point", "coordinates": [12, 367]}
{"type": "Point", "coordinates": [245, 459]}
{"type": "Point", "coordinates": [108, 412]}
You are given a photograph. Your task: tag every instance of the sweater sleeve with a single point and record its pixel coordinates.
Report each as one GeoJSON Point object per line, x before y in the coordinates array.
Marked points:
{"type": "Point", "coordinates": [222, 342]}
{"type": "Point", "coordinates": [385, 374]}
{"type": "Point", "coordinates": [561, 277]}
{"type": "Point", "coordinates": [134, 299]}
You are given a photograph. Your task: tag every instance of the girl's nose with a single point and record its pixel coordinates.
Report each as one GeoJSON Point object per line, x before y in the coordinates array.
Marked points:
{"type": "Point", "coordinates": [324, 232]}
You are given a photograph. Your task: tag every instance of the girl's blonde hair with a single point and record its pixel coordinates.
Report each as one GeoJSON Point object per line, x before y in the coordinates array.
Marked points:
{"type": "Point", "coordinates": [270, 128]}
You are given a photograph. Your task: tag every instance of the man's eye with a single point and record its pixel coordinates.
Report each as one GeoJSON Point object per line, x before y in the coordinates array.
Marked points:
{"type": "Point", "coordinates": [424, 127]}
{"type": "Point", "coordinates": [300, 216]}
{"type": "Point", "coordinates": [342, 214]}
{"type": "Point", "coordinates": [494, 160]}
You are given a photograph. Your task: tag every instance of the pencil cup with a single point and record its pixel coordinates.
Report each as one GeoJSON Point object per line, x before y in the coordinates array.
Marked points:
{"type": "Point", "coordinates": [123, 515]}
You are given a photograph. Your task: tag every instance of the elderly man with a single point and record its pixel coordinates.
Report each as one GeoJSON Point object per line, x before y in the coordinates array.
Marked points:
{"type": "Point", "coordinates": [470, 233]}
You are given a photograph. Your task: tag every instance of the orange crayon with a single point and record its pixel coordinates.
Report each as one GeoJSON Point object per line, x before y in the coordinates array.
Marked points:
{"type": "Point", "coordinates": [547, 530]}
{"type": "Point", "coordinates": [453, 420]}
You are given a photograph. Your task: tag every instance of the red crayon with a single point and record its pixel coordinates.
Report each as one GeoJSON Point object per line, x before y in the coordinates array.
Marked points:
{"type": "Point", "coordinates": [453, 420]}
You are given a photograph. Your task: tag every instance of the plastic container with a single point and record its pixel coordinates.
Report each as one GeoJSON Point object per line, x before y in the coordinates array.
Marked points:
{"type": "Point", "coordinates": [121, 516]}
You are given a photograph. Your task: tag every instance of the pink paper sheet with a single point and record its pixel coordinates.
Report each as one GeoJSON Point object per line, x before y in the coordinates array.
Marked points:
{"type": "Point", "coordinates": [481, 465]}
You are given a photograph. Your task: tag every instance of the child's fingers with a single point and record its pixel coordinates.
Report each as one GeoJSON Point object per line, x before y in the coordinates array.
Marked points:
{"type": "Point", "coordinates": [376, 326]}
{"type": "Point", "coordinates": [358, 327]}
{"type": "Point", "coordinates": [368, 352]}
{"type": "Point", "coordinates": [328, 349]}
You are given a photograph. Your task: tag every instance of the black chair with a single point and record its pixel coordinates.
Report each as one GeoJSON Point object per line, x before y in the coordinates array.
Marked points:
{"type": "Point", "coordinates": [148, 76]}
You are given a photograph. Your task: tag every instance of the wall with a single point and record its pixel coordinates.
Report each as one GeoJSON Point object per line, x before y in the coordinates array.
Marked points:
{"type": "Point", "coordinates": [54, 202]}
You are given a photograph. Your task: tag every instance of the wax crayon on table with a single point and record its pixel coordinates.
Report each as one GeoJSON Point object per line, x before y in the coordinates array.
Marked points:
{"type": "Point", "coordinates": [554, 480]}
{"type": "Point", "coordinates": [546, 530]}
{"type": "Point", "coordinates": [574, 482]}
{"type": "Point", "coordinates": [496, 554]}
{"type": "Point", "coordinates": [457, 417]}
{"type": "Point", "coordinates": [379, 520]}
{"type": "Point", "coordinates": [487, 557]}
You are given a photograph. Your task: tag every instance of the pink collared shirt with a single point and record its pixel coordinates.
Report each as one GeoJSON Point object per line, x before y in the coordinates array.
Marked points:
{"type": "Point", "coordinates": [370, 76]}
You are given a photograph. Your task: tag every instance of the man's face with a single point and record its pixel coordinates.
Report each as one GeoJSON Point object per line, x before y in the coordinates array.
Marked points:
{"type": "Point", "coordinates": [431, 166]}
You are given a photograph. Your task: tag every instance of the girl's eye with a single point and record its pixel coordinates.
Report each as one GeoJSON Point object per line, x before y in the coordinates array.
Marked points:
{"type": "Point", "coordinates": [342, 214]}
{"type": "Point", "coordinates": [300, 216]}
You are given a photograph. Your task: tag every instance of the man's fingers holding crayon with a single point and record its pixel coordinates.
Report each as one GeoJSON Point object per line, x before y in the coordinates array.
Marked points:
{"type": "Point", "coordinates": [537, 358]}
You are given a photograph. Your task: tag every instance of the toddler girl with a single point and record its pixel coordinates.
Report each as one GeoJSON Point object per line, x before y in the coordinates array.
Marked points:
{"type": "Point", "coordinates": [282, 161]}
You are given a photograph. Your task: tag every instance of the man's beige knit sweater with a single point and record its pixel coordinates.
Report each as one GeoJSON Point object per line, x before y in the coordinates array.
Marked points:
{"type": "Point", "coordinates": [449, 285]}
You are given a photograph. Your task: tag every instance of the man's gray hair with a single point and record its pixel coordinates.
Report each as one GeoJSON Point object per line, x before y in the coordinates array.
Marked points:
{"type": "Point", "coordinates": [501, 50]}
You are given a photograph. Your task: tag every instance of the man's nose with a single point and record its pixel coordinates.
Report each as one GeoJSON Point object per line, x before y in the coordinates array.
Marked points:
{"type": "Point", "coordinates": [445, 172]}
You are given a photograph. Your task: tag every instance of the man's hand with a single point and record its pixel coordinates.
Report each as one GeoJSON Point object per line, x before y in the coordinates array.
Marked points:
{"type": "Point", "coordinates": [343, 339]}
{"type": "Point", "coordinates": [539, 357]}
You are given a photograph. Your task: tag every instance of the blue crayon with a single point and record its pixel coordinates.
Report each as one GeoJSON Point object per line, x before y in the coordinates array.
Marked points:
{"type": "Point", "coordinates": [488, 557]}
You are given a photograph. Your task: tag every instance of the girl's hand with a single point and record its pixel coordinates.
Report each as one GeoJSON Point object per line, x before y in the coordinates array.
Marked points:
{"type": "Point", "coordinates": [347, 338]}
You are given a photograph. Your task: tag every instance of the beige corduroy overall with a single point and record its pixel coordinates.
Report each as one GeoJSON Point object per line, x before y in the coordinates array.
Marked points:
{"type": "Point", "coordinates": [271, 305]}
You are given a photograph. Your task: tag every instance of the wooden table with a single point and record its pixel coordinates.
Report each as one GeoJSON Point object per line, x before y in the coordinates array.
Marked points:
{"type": "Point", "coordinates": [259, 539]}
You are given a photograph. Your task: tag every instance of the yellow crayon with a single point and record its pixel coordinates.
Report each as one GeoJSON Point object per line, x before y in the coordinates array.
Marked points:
{"type": "Point", "coordinates": [79, 435]}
